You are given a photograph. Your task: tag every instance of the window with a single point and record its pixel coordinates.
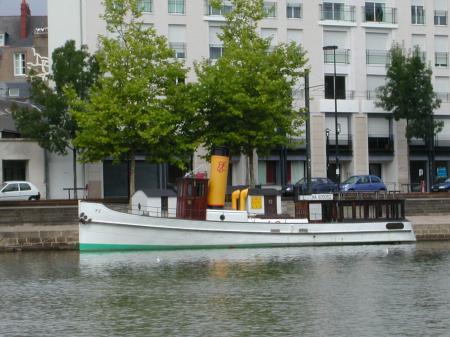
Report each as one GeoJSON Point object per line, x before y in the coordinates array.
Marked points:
{"type": "Point", "coordinates": [270, 9]}
{"type": "Point", "coordinates": [271, 35]}
{"type": "Point", "coordinates": [2, 40]}
{"type": "Point", "coordinates": [146, 6]}
{"type": "Point", "coordinates": [294, 35]}
{"type": "Point", "coordinates": [293, 10]}
{"type": "Point", "coordinates": [180, 80]}
{"type": "Point", "coordinates": [222, 10]}
{"type": "Point", "coordinates": [13, 92]}
{"type": "Point", "coordinates": [441, 59]}
{"type": "Point", "coordinates": [117, 5]}
{"type": "Point", "coordinates": [215, 44]}
{"type": "Point", "coordinates": [24, 187]}
{"type": "Point", "coordinates": [329, 87]}
{"type": "Point", "coordinates": [440, 18]}
{"type": "Point", "coordinates": [333, 11]}
{"type": "Point", "coordinates": [374, 11]}
{"type": "Point", "coordinates": [417, 15]}
{"type": "Point", "coordinates": [442, 87]}
{"type": "Point", "coordinates": [215, 51]}
{"type": "Point", "coordinates": [177, 40]}
{"type": "Point", "coordinates": [374, 82]}
{"type": "Point", "coordinates": [176, 7]}
{"type": "Point", "coordinates": [19, 64]}
{"type": "Point", "coordinates": [11, 188]}
{"type": "Point", "coordinates": [179, 49]}
{"type": "Point", "coordinates": [441, 48]}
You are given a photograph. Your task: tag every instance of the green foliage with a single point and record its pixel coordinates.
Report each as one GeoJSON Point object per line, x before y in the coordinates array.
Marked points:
{"type": "Point", "coordinates": [50, 122]}
{"type": "Point", "coordinates": [245, 97]}
{"type": "Point", "coordinates": [137, 107]}
{"type": "Point", "coordinates": [409, 94]}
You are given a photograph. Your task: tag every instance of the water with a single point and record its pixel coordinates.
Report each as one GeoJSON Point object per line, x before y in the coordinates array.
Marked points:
{"type": "Point", "coordinates": [399, 290]}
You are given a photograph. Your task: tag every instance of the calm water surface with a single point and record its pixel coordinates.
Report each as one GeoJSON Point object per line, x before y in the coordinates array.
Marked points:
{"type": "Point", "coordinates": [399, 290]}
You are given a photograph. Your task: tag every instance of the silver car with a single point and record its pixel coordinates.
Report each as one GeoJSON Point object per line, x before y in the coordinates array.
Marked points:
{"type": "Point", "coordinates": [18, 190]}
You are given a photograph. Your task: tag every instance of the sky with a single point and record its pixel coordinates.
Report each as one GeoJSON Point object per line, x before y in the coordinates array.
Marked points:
{"type": "Point", "coordinates": [12, 7]}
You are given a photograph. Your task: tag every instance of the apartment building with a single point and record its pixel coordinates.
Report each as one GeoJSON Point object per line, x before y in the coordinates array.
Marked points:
{"type": "Point", "coordinates": [23, 41]}
{"type": "Point", "coordinates": [369, 139]}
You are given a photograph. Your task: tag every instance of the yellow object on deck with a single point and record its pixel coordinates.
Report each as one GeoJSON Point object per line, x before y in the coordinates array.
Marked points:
{"type": "Point", "coordinates": [243, 199]}
{"type": "Point", "coordinates": [218, 179]}
{"type": "Point", "coordinates": [234, 198]}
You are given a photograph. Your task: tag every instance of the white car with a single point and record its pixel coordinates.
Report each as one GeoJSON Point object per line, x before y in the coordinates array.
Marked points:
{"type": "Point", "coordinates": [18, 190]}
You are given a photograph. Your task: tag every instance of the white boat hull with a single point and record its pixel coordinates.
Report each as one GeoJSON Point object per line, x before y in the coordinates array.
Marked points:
{"type": "Point", "coordinates": [104, 229]}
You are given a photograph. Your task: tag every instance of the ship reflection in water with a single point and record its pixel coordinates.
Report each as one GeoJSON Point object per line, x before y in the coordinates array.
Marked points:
{"type": "Point", "coordinates": [311, 291]}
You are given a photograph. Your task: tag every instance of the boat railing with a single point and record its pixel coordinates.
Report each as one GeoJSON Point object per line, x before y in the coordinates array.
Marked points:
{"type": "Point", "coordinates": [351, 210]}
{"type": "Point", "coordinates": [375, 195]}
{"type": "Point", "coordinates": [166, 212]}
{"type": "Point", "coordinates": [159, 212]}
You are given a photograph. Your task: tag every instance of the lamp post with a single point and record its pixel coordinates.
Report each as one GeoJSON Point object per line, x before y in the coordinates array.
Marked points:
{"type": "Point", "coordinates": [333, 48]}
{"type": "Point", "coordinates": [327, 133]}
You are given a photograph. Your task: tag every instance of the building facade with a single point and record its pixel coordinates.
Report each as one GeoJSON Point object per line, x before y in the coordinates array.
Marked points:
{"type": "Point", "coordinates": [23, 43]}
{"type": "Point", "coordinates": [369, 139]}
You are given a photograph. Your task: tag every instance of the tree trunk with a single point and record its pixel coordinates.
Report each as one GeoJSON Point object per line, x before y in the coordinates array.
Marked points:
{"type": "Point", "coordinates": [132, 175]}
{"type": "Point", "coordinates": [251, 172]}
{"type": "Point", "coordinates": [74, 164]}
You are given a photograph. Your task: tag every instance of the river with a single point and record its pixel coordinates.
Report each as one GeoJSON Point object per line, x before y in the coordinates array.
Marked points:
{"type": "Point", "coordinates": [399, 290]}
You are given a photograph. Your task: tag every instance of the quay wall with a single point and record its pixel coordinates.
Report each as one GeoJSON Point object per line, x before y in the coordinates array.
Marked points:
{"type": "Point", "coordinates": [427, 206]}
{"type": "Point", "coordinates": [54, 226]}
{"type": "Point", "coordinates": [39, 228]}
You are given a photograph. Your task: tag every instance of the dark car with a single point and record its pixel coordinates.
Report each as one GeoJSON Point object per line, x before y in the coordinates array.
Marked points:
{"type": "Point", "coordinates": [443, 186]}
{"type": "Point", "coordinates": [364, 183]}
{"type": "Point", "coordinates": [318, 185]}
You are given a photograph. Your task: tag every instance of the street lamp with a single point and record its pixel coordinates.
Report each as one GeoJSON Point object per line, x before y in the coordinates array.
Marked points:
{"type": "Point", "coordinates": [333, 48]}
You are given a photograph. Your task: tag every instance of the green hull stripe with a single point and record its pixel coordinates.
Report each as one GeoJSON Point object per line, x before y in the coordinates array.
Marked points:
{"type": "Point", "coordinates": [90, 247]}
{"type": "Point", "coordinates": [104, 247]}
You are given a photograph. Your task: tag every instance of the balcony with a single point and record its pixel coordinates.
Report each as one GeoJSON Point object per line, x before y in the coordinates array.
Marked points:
{"type": "Point", "coordinates": [441, 145]}
{"type": "Point", "coordinates": [344, 144]}
{"type": "Point", "coordinates": [374, 56]}
{"type": "Point", "coordinates": [441, 59]}
{"type": "Point", "coordinates": [340, 94]}
{"type": "Point", "coordinates": [381, 144]}
{"type": "Point", "coordinates": [442, 142]}
{"type": "Point", "coordinates": [378, 13]}
{"type": "Point", "coordinates": [371, 94]}
{"type": "Point", "coordinates": [337, 12]}
{"type": "Point", "coordinates": [440, 18]}
{"type": "Point", "coordinates": [342, 56]}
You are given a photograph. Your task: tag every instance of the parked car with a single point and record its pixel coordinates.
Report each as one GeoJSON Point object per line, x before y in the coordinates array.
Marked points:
{"type": "Point", "coordinates": [18, 190]}
{"type": "Point", "coordinates": [318, 185]}
{"type": "Point", "coordinates": [365, 183]}
{"type": "Point", "coordinates": [443, 186]}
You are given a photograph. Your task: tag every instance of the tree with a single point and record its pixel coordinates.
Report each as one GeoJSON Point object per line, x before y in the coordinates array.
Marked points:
{"type": "Point", "coordinates": [245, 97]}
{"type": "Point", "coordinates": [140, 106]}
{"type": "Point", "coordinates": [409, 94]}
{"type": "Point", "coordinates": [50, 122]}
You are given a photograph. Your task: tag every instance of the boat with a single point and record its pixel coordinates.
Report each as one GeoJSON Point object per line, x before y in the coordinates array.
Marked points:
{"type": "Point", "coordinates": [201, 221]}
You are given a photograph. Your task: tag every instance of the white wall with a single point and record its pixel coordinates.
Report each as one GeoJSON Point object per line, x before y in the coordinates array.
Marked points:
{"type": "Point", "coordinates": [20, 149]}
{"type": "Point", "coordinates": [60, 172]}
